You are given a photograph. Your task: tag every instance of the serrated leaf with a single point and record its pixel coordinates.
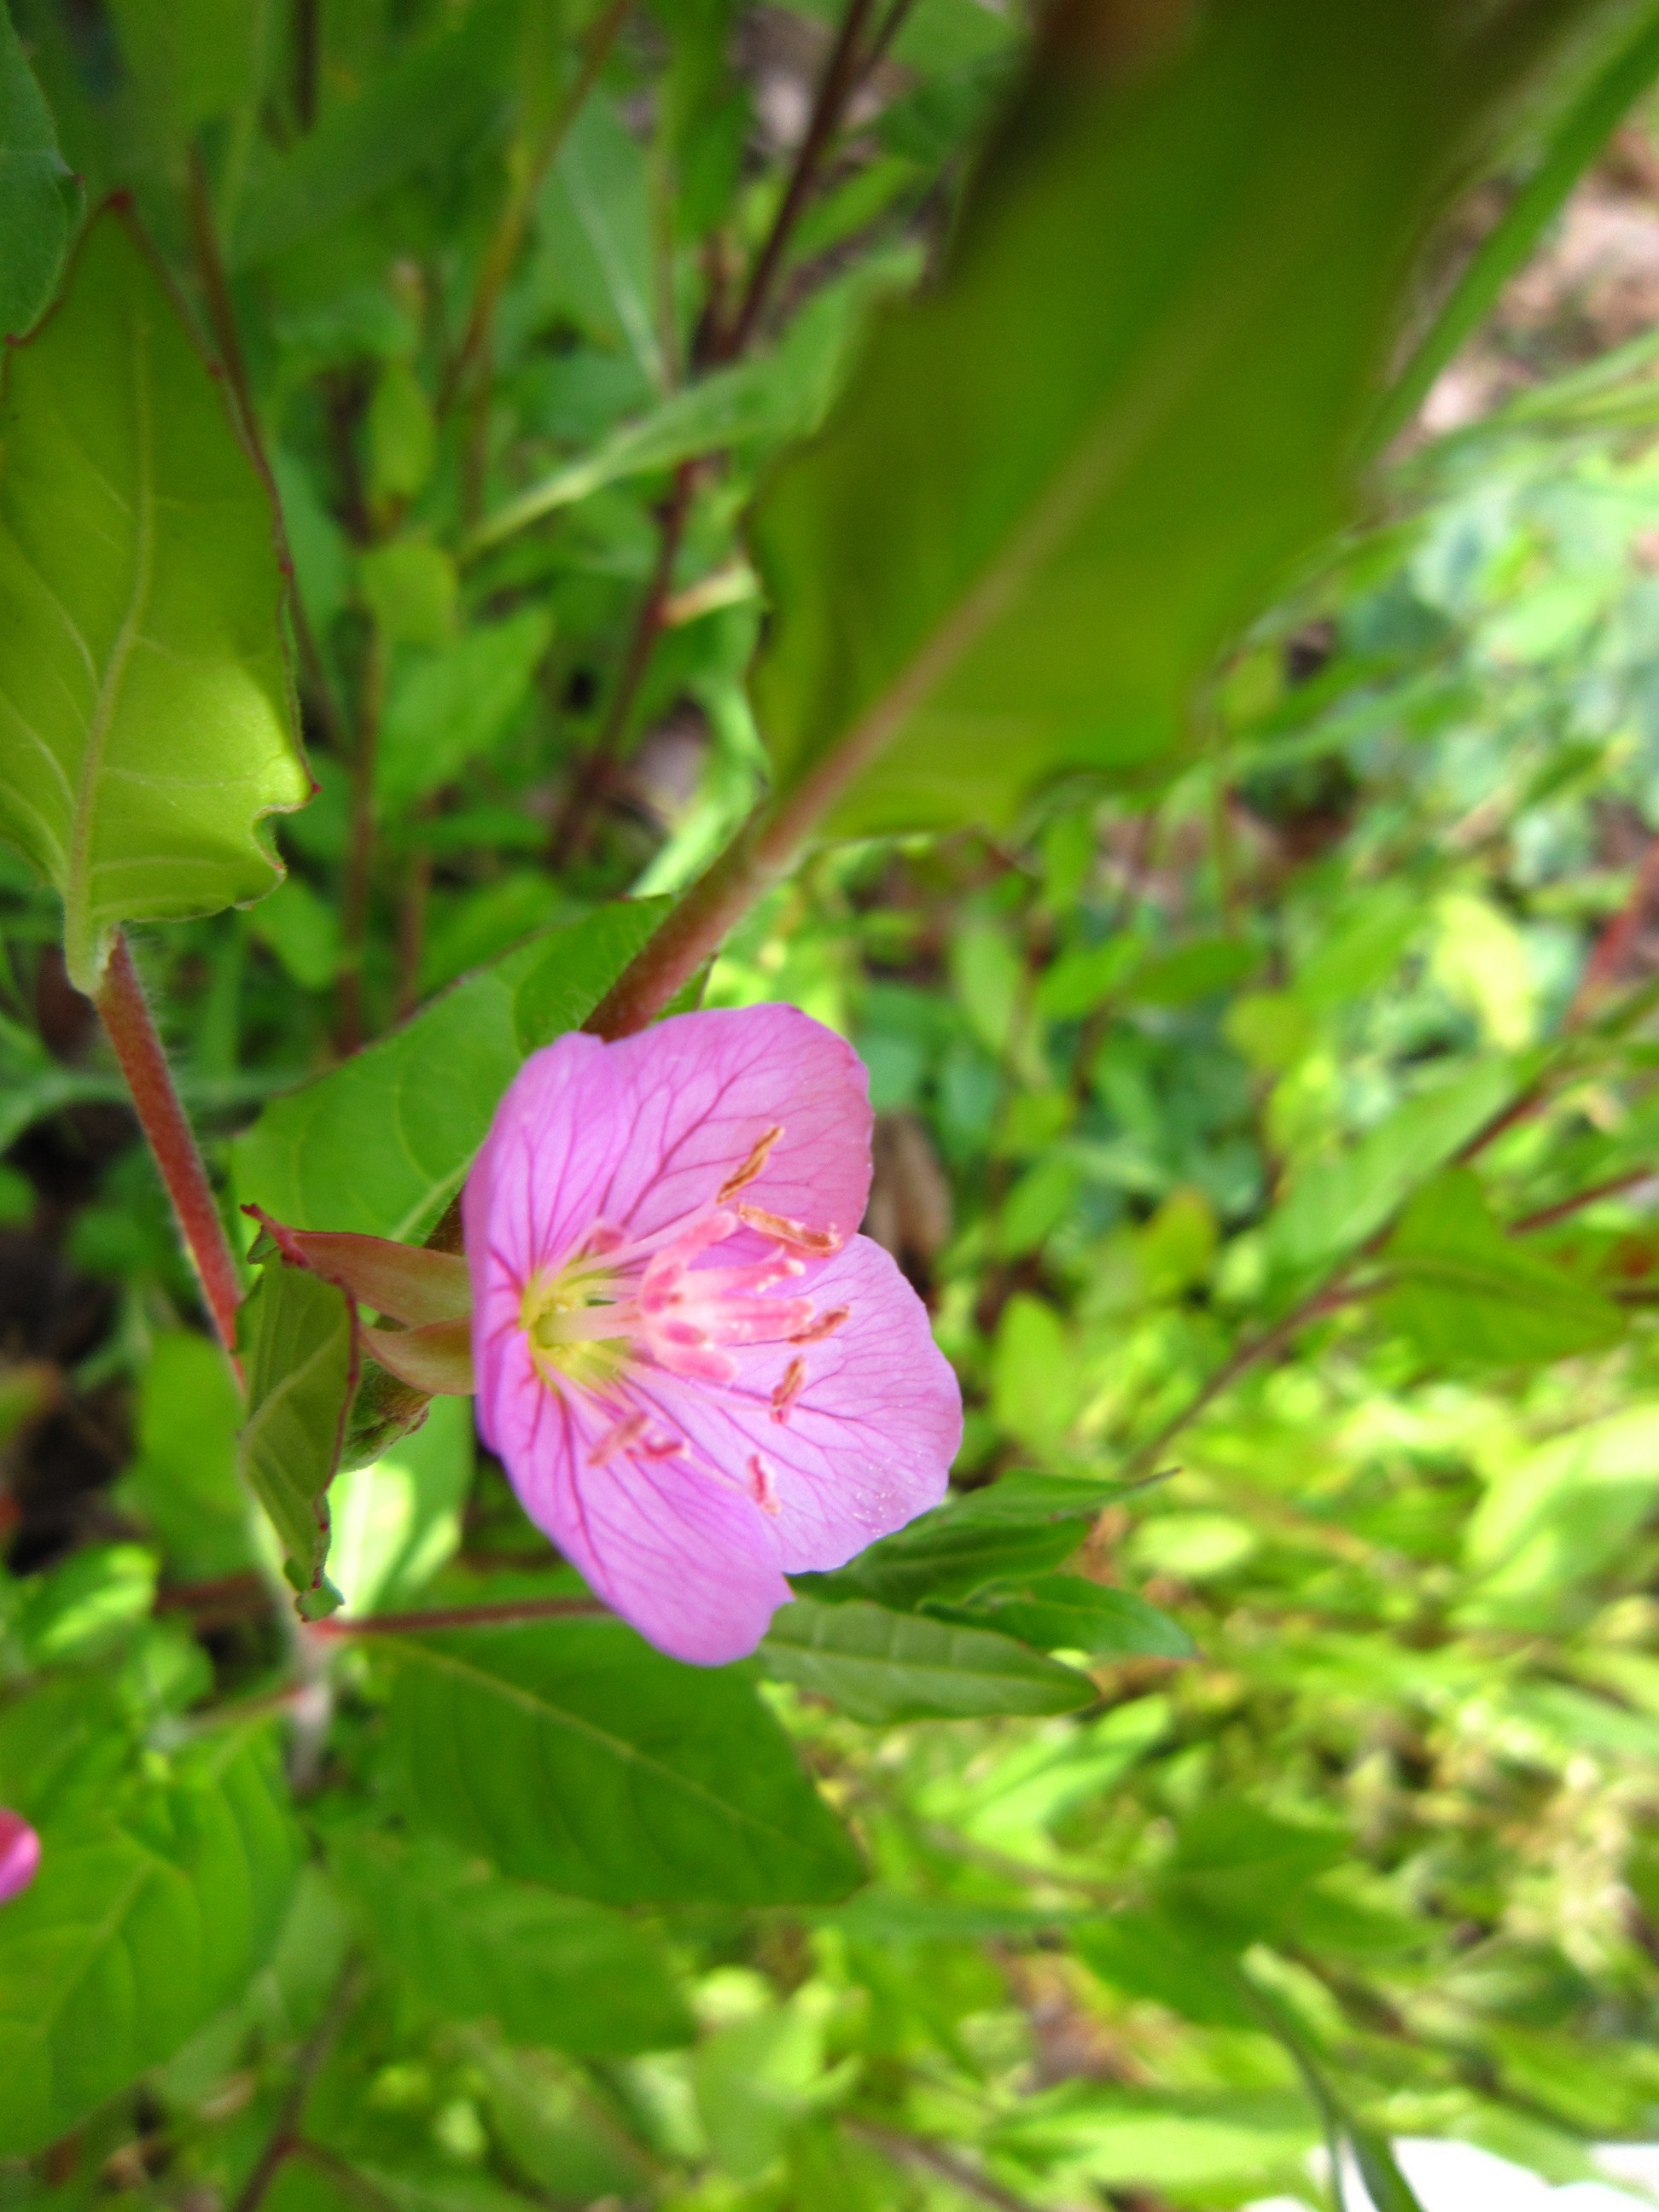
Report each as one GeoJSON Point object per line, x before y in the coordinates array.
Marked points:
{"type": "Point", "coordinates": [383, 1143]}
{"type": "Point", "coordinates": [553, 1972]}
{"type": "Point", "coordinates": [296, 1336]}
{"type": "Point", "coordinates": [145, 1920]}
{"type": "Point", "coordinates": [1466, 1292]}
{"type": "Point", "coordinates": [1069, 472]}
{"type": "Point", "coordinates": [38, 196]}
{"type": "Point", "coordinates": [1067, 1613]}
{"type": "Point", "coordinates": [572, 1753]}
{"type": "Point", "coordinates": [146, 718]}
{"type": "Point", "coordinates": [880, 1666]}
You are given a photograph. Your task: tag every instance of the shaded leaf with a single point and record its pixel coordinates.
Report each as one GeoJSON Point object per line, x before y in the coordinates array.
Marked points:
{"type": "Point", "coordinates": [295, 1337]}
{"type": "Point", "coordinates": [145, 1918]}
{"type": "Point", "coordinates": [880, 1666]}
{"type": "Point", "coordinates": [572, 1753]}
{"type": "Point", "coordinates": [553, 1972]}
{"type": "Point", "coordinates": [38, 196]}
{"type": "Point", "coordinates": [1068, 1612]}
{"type": "Point", "coordinates": [146, 721]}
{"type": "Point", "coordinates": [381, 1144]}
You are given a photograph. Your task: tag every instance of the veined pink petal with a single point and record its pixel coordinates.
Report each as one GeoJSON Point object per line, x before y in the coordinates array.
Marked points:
{"type": "Point", "coordinates": [644, 1133]}
{"type": "Point", "coordinates": [683, 1554]}
{"type": "Point", "coordinates": [697, 1375]}
{"type": "Point", "coordinates": [20, 1854]}
{"type": "Point", "coordinates": [864, 1440]}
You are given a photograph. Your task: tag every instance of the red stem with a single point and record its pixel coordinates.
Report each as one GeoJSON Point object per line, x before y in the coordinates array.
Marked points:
{"type": "Point", "coordinates": [126, 1018]}
{"type": "Point", "coordinates": [505, 1614]}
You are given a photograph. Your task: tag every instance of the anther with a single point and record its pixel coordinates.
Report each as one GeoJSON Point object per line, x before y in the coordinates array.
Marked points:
{"type": "Point", "coordinates": [794, 1382]}
{"type": "Point", "coordinates": [825, 1325]}
{"type": "Point", "coordinates": [617, 1439]}
{"type": "Point", "coordinates": [766, 1496]}
{"type": "Point", "coordinates": [794, 1235]}
{"type": "Point", "coordinates": [752, 1168]}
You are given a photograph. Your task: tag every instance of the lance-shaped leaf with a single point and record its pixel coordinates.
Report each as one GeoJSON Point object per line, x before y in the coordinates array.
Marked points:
{"type": "Point", "coordinates": [1061, 480]}
{"type": "Point", "coordinates": [146, 715]}
{"type": "Point", "coordinates": [297, 1344]}
{"type": "Point", "coordinates": [38, 195]}
{"type": "Point", "coordinates": [880, 1666]}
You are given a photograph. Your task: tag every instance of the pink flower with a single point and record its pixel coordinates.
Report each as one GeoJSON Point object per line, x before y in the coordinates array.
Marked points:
{"type": "Point", "coordinates": [700, 1379]}
{"type": "Point", "coordinates": [20, 1854]}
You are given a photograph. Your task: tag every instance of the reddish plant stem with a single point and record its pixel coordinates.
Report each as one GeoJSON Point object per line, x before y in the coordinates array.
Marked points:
{"type": "Point", "coordinates": [841, 78]}
{"type": "Point", "coordinates": [284, 2138]}
{"type": "Point", "coordinates": [506, 1613]}
{"type": "Point", "coordinates": [571, 826]}
{"type": "Point", "coordinates": [127, 1019]}
{"type": "Point", "coordinates": [1612, 949]}
{"type": "Point", "coordinates": [1564, 1208]}
{"type": "Point", "coordinates": [360, 859]}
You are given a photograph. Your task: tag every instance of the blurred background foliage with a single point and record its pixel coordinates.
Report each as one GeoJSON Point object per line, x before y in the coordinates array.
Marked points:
{"type": "Point", "coordinates": [1274, 1131]}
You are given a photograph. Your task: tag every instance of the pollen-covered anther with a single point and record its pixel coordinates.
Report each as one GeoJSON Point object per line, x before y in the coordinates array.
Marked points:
{"type": "Point", "coordinates": [793, 1236]}
{"type": "Point", "coordinates": [617, 1438]}
{"type": "Point", "coordinates": [825, 1325]}
{"type": "Point", "coordinates": [763, 1487]}
{"type": "Point", "coordinates": [794, 1382]}
{"type": "Point", "coordinates": [740, 1178]}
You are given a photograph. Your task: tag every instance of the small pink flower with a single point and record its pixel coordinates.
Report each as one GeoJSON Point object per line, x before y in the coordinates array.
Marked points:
{"type": "Point", "coordinates": [20, 1854]}
{"type": "Point", "coordinates": [699, 1378]}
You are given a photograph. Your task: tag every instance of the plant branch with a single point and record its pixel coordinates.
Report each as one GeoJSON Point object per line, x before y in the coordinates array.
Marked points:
{"type": "Point", "coordinates": [649, 624]}
{"type": "Point", "coordinates": [284, 2137]}
{"type": "Point", "coordinates": [221, 321]}
{"type": "Point", "coordinates": [841, 78]}
{"type": "Point", "coordinates": [531, 164]}
{"type": "Point", "coordinates": [1564, 1208]}
{"type": "Point", "coordinates": [360, 858]}
{"type": "Point", "coordinates": [506, 1613]}
{"type": "Point", "coordinates": [143, 1062]}
{"type": "Point", "coordinates": [938, 2159]}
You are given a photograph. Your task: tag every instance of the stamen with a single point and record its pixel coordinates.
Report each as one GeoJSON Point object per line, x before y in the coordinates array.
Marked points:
{"type": "Point", "coordinates": [794, 1382]}
{"type": "Point", "coordinates": [765, 1489]}
{"type": "Point", "coordinates": [617, 1439]}
{"type": "Point", "coordinates": [794, 1235]}
{"type": "Point", "coordinates": [752, 1168]}
{"type": "Point", "coordinates": [825, 1325]}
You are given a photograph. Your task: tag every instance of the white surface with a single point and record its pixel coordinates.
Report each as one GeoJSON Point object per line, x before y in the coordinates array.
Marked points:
{"type": "Point", "coordinates": [1457, 2177]}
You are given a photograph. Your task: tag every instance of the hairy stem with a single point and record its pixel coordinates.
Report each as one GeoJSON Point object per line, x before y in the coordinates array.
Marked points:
{"type": "Point", "coordinates": [143, 1062]}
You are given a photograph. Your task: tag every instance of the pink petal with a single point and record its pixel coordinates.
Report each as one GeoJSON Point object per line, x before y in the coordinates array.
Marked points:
{"type": "Point", "coordinates": [867, 1445]}
{"type": "Point", "coordinates": [644, 1132]}
{"type": "Point", "coordinates": [684, 1555]}
{"type": "Point", "coordinates": [20, 1854]}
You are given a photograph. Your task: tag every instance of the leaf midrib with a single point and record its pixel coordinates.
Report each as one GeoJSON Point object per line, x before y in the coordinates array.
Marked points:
{"type": "Point", "coordinates": [436, 1656]}
{"type": "Point", "coordinates": [82, 951]}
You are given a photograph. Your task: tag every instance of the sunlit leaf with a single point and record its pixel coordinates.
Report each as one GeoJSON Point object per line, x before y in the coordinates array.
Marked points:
{"type": "Point", "coordinates": [146, 723]}
{"type": "Point", "coordinates": [572, 1753]}
{"type": "Point", "coordinates": [880, 1666]}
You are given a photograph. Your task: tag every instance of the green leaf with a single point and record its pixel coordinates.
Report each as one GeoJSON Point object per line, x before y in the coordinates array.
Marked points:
{"type": "Point", "coordinates": [595, 219]}
{"type": "Point", "coordinates": [438, 97]}
{"type": "Point", "coordinates": [296, 1340]}
{"type": "Point", "coordinates": [1334, 1205]}
{"type": "Point", "coordinates": [1464, 1291]}
{"type": "Point", "coordinates": [146, 721]}
{"type": "Point", "coordinates": [38, 196]}
{"type": "Point", "coordinates": [145, 1919]}
{"type": "Point", "coordinates": [395, 1521]}
{"type": "Point", "coordinates": [552, 1972]}
{"type": "Point", "coordinates": [880, 1666]}
{"type": "Point", "coordinates": [381, 1145]}
{"type": "Point", "coordinates": [572, 1753]}
{"type": "Point", "coordinates": [1559, 1515]}
{"type": "Point", "coordinates": [1178, 1964]}
{"type": "Point", "coordinates": [184, 1484]}
{"type": "Point", "coordinates": [1065, 1613]}
{"type": "Point", "coordinates": [1016, 1528]}
{"type": "Point", "coordinates": [1067, 474]}
{"type": "Point", "coordinates": [449, 706]}
{"type": "Point", "coordinates": [1237, 1871]}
